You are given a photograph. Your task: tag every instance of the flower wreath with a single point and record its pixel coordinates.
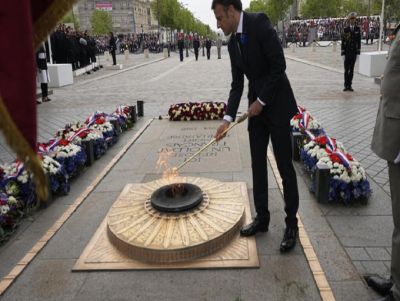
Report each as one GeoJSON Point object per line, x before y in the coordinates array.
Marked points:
{"type": "Point", "coordinates": [197, 111]}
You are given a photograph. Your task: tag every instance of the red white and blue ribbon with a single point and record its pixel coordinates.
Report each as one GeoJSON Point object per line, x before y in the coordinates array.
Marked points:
{"type": "Point", "coordinates": [331, 148]}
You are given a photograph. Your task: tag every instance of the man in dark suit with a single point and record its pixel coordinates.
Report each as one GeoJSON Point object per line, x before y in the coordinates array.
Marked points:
{"type": "Point", "coordinates": [113, 47]}
{"type": "Point", "coordinates": [196, 46]}
{"type": "Point", "coordinates": [351, 47]}
{"type": "Point", "coordinates": [181, 45]}
{"type": "Point", "coordinates": [255, 51]}
{"type": "Point", "coordinates": [208, 47]}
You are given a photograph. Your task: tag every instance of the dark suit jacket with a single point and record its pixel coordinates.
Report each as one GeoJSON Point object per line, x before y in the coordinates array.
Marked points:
{"type": "Point", "coordinates": [262, 60]}
{"type": "Point", "coordinates": [112, 44]}
{"type": "Point", "coordinates": [351, 41]}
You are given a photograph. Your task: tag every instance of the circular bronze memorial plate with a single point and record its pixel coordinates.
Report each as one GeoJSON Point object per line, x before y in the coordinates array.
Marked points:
{"type": "Point", "coordinates": [144, 233]}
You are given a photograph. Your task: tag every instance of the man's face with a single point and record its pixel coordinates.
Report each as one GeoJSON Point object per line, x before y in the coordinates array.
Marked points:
{"type": "Point", "coordinates": [225, 18]}
{"type": "Point", "coordinates": [352, 21]}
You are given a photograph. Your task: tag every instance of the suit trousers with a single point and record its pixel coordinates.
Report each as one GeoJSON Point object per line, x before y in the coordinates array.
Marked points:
{"type": "Point", "coordinates": [394, 179]}
{"type": "Point", "coordinates": [349, 62]}
{"type": "Point", "coordinates": [196, 53]}
{"type": "Point", "coordinates": [259, 133]}
{"type": "Point", "coordinates": [114, 58]}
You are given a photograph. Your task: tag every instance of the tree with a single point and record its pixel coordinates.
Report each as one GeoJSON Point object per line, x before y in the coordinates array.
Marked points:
{"type": "Point", "coordinates": [349, 6]}
{"type": "Point", "coordinates": [70, 18]}
{"type": "Point", "coordinates": [274, 9]}
{"type": "Point", "coordinates": [101, 22]}
{"type": "Point", "coordinates": [258, 6]}
{"type": "Point", "coordinates": [173, 14]}
{"type": "Point", "coordinates": [392, 9]}
{"type": "Point", "coordinates": [318, 8]}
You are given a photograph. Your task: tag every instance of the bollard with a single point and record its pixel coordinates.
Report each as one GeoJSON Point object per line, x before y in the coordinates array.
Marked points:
{"type": "Point", "coordinates": [313, 46]}
{"type": "Point", "coordinates": [322, 178]}
{"type": "Point", "coordinates": [50, 196]}
{"type": "Point", "coordinates": [89, 150]}
{"type": "Point", "coordinates": [140, 108]}
{"type": "Point", "coordinates": [297, 138]}
{"type": "Point", "coordinates": [117, 126]}
{"type": "Point", "coordinates": [146, 53]}
{"type": "Point", "coordinates": [334, 46]}
{"type": "Point", "coordinates": [165, 52]}
{"type": "Point", "coordinates": [107, 55]}
{"type": "Point", "coordinates": [187, 52]}
{"type": "Point", "coordinates": [132, 111]}
{"type": "Point", "coordinates": [126, 53]}
{"type": "Point", "coordinates": [293, 47]}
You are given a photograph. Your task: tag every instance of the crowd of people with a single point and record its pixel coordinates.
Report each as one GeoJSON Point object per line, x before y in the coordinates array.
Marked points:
{"type": "Point", "coordinates": [330, 29]}
{"type": "Point", "coordinates": [69, 46]}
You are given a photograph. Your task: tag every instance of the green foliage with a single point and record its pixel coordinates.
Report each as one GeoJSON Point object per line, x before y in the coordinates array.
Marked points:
{"type": "Point", "coordinates": [318, 8]}
{"type": "Point", "coordinates": [349, 6]}
{"type": "Point", "coordinates": [277, 9]}
{"type": "Point", "coordinates": [70, 18]}
{"type": "Point", "coordinates": [101, 22]}
{"type": "Point", "coordinates": [173, 14]}
{"type": "Point", "coordinates": [258, 6]}
{"type": "Point", "coordinates": [392, 8]}
{"type": "Point", "coordinates": [274, 9]}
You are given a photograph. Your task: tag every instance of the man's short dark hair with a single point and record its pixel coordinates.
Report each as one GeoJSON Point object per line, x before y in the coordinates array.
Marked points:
{"type": "Point", "coordinates": [237, 4]}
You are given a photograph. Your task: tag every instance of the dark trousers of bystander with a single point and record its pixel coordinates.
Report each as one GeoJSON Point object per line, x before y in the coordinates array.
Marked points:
{"type": "Point", "coordinates": [349, 62]}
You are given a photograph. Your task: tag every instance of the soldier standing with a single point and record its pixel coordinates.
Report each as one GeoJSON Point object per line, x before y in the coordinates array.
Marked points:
{"type": "Point", "coordinates": [208, 47]}
{"type": "Point", "coordinates": [180, 47]}
{"type": "Point", "coordinates": [196, 46]}
{"type": "Point", "coordinates": [351, 47]}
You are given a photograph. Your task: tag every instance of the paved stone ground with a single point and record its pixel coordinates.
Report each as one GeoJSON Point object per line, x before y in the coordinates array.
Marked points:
{"type": "Point", "coordinates": [341, 235]}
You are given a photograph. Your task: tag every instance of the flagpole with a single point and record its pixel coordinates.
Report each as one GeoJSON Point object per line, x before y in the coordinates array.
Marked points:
{"type": "Point", "coordinates": [381, 26]}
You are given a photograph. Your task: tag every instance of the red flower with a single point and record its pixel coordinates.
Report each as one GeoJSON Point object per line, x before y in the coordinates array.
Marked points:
{"type": "Point", "coordinates": [349, 157]}
{"type": "Point", "coordinates": [321, 140]}
{"type": "Point", "coordinates": [82, 135]}
{"type": "Point", "coordinates": [63, 142]}
{"type": "Point", "coordinates": [100, 120]}
{"type": "Point", "coordinates": [335, 158]}
{"type": "Point", "coordinates": [298, 116]}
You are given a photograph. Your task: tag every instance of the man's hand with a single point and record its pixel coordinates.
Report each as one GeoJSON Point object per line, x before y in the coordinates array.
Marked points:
{"type": "Point", "coordinates": [255, 109]}
{"type": "Point", "coordinates": [219, 134]}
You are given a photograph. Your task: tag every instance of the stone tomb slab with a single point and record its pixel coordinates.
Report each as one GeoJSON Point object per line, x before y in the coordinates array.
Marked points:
{"type": "Point", "coordinates": [101, 254]}
{"type": "Point", "coordinates": [179, 140]}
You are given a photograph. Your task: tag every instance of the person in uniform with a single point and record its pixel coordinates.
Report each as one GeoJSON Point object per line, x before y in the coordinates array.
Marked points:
{"type": "Point", "coordinates": [196, 46]}
{"type": "Point", "coordinates": [208, 48]}
{"type": "Point", "coordinates": [181, 45]}
{"type": "Point", "coordinates": [113, 47]}
{"type": "Point", "coordinates": [43, 75]}
{"type": "Point", "coordinates": [351, 47]}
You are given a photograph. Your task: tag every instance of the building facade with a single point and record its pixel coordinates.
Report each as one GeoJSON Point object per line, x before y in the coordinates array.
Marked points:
{"type": "Point", "coordinates": [128, 16]}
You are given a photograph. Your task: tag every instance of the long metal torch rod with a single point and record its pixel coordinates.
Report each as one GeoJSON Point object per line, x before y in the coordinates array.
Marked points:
{"type": "Point", "coordinates": [239, 120]}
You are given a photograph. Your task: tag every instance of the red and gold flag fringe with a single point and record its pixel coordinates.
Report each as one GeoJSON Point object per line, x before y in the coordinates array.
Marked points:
{"type": "Point", "coordinates": [24, 151]}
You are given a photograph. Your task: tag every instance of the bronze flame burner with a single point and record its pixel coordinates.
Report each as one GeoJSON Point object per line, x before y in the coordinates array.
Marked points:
{"type": "Point", "coordinates": [178, 197]}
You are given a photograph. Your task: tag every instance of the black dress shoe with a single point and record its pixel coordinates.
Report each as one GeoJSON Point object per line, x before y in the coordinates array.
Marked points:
{"type": "Point", "coordinates": [256, 226]}
{"type": "Point", "coordinates": [289, 239]}
{"type": "Point", "coordinates": [350, 89]}
{"type": "Point", "coordinates": [387, 298]}
{"type": "Point", "coordinates": [379, 284]}
{"type": "Point", "coordinates": [345, 89]}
